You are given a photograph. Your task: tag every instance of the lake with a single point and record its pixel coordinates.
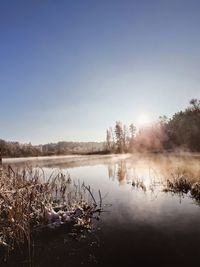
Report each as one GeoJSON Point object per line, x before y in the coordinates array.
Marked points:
{"type": "Point", "coordinates": [140, 224]}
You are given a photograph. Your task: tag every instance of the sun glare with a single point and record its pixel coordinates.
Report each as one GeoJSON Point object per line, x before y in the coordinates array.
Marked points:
{"type": "Point", "coordinates": [143, 119]}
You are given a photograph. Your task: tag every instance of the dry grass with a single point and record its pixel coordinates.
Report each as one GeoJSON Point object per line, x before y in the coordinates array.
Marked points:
{"type": "Point", "coordinates": [139, 184]}
{"type": "Point", "coordinates": [182, 183]}
{"type": "Point", "coordinates": [28, 200]}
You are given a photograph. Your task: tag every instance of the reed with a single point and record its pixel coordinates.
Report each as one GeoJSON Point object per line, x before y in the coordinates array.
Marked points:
{"type": "Point", "coordinates": [29, 201]}
{"type": "Point", "coordinates": [139, 184]}
{"type": "Point", "coordinates": [184, 185]}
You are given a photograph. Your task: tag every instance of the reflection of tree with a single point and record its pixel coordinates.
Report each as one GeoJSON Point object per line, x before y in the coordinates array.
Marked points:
{"type": "Point", "coordinates": [111, 171]}
{"type": "Point", "coordinates": [118, 171]}
{"type": "Point", "coordinates": [121, 172]}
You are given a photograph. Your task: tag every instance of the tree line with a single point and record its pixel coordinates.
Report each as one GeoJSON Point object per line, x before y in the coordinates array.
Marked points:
{"type": "Point", "coordinates": [16, 149]}
{"type": "Point", "coordinates": [182, 131]}
{"type": "Point", "coordinates": [121, 139]}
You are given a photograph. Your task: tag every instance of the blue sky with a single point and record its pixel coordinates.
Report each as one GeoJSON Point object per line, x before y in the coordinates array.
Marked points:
{"type": "Point", "coordinates": [70, 69]}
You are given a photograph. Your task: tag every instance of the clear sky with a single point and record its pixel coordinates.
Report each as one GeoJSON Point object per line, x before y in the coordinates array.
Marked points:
{"type": "Point", "coordinates": [70, 69]}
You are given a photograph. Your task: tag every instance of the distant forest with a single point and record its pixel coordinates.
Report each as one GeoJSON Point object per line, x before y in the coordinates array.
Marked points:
{"type": "Point", "coordinates": [182, 131]}
{"type": "Point", "coordinates": [15, 149]}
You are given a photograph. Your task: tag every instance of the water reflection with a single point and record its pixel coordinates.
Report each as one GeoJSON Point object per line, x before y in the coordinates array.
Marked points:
{"type": "Point", "coordinates": [118, 171]}
{"type": "Point", "coordinates": [153, 170]}
{"type": "Point", "coordinates": [144, 225]}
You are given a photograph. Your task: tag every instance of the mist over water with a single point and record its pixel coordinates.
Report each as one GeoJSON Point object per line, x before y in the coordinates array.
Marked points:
{"type": "Point", "coordinates": [141, 224]}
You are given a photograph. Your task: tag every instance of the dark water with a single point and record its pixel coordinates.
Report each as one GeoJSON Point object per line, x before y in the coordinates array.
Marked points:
{"type": "Point", "coordinates": [141, 225]}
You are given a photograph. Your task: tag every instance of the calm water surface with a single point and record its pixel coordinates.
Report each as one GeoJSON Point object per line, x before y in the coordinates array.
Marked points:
{"type": "Point", "coordinates": [141, 225]}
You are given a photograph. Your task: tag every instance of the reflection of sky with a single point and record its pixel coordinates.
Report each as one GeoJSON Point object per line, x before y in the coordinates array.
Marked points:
{"type": "Point", "coordinates": [151, 223]}
{"type": "Point", "coordinates": [131, 204]}
{"type": "Point", "coordinates": [114, 176]}
{"type": "Point", "coordinates": [69, 70]}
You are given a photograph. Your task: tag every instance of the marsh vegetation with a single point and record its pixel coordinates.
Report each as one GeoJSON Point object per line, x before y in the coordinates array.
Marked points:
{"type": "Point", "coordinates": [145, 198]}
{"type": "Point", "coordinates": [31, 203]}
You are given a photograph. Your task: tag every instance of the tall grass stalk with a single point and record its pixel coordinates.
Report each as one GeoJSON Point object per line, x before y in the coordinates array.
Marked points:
{"type": "Point", "coordinates": [27, 199]}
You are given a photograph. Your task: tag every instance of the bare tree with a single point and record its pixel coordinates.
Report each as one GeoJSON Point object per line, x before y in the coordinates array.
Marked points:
{"type": "Point", "coordinates": [119, 137]}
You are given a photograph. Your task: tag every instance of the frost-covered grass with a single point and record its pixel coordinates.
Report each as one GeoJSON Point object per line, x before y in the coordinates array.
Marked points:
{"type": "Point", "coordinates": [185, 185]}
{"type": "Point", "coordinates": [29, 201]}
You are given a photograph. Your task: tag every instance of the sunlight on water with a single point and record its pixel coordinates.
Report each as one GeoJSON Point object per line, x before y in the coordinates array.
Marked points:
{"type": "Point", "coordinates": [138, 214]}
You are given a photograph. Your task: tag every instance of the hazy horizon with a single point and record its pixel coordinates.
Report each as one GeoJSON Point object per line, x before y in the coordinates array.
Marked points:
{"type": "Point", "coordinates": [69, 69]}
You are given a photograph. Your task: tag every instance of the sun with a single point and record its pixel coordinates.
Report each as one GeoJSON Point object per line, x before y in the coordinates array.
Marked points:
{"type": "Point", "coordinates": [144, 119]}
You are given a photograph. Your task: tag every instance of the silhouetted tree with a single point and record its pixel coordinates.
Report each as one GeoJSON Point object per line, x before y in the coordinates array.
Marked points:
{"type": "Point", "coordinates": [108, 140]}
{"type": "Point", "coordinates": [183, 128]}
{"type": "Point", "coordinates": [119, 135]}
